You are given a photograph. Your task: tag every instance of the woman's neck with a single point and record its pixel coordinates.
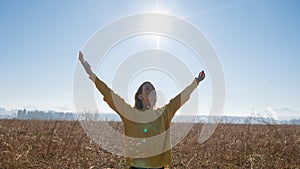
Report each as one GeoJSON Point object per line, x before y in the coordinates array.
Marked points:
{"type": "Point", "coordinates": [147, 107]}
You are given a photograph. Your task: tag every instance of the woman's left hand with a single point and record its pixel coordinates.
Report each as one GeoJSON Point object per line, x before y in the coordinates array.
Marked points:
{"type": "Point", "coordinates": [201, 76]}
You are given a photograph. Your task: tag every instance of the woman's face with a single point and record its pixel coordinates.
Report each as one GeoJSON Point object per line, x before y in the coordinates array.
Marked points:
{"type": "Point", "coordinates": [148, 95]}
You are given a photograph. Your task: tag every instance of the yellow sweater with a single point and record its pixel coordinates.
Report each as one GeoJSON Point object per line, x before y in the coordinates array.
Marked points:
{"type": "Point", "coordinates": [147, 133]}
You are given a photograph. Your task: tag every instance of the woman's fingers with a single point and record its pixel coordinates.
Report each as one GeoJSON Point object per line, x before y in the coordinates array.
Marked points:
{"type": "Point", "coordinates": [201, 75]}
{"type": "Point", "coordinates": [81, 57]}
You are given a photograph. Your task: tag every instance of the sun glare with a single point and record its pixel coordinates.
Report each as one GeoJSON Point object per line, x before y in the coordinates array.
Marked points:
{"type": "Point", "coordinates": [159, 7]}
{"type": "Point", "coordinates": [153, 40]}
{"type": "Point", "coordinates": [157, 41]}
{"type": "Point", "coordinates": [159, 10]}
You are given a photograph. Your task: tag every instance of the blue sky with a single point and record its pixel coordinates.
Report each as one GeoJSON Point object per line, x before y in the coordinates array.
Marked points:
{"type": "Point", "coordinates": [257, 43]}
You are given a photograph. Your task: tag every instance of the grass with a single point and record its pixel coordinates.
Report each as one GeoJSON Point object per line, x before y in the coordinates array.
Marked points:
{"type": "Point", "coordinates": [64, 144]}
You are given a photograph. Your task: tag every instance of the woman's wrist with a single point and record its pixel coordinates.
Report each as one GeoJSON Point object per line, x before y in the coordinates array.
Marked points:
{"type": "Point", "coordinates": [197, 80]}
{"type": "Point", "coordinates": [92, 76]}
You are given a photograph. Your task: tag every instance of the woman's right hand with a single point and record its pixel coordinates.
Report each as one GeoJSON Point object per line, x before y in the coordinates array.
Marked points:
{"type": "Point", "coordinates": [85, 64]}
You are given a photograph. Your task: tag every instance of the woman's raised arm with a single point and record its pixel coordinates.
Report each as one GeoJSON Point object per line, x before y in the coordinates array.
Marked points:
{"type": "Point", "coordinates": [183, 97]}
{"type": "Point", "coordinates": [114, 101]}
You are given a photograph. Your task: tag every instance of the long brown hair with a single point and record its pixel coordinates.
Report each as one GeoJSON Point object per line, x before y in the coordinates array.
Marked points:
{"type": "Point", "coordinates": [138, 102]}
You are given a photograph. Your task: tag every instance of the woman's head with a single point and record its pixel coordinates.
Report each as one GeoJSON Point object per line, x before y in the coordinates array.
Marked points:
{"type": "Point", "coordinates": [145, 97]}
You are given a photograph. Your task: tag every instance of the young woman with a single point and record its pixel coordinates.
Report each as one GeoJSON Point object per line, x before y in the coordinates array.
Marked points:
{"type": "Point", "coordinates": [148, 128]}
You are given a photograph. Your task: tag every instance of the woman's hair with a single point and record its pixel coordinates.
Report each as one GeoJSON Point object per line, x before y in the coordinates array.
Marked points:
{"type": "Point", "coordinates": [138, 102]}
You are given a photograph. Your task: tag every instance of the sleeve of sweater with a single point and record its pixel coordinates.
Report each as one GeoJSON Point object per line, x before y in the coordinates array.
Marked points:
{"type": "Point", "coordinates": [114, 101]}
{"type": "Point", "coordinates": [179, 100]}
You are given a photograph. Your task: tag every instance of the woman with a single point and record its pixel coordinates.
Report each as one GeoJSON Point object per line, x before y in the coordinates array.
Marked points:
{"type": "Point", "coordinates": [146, 128]}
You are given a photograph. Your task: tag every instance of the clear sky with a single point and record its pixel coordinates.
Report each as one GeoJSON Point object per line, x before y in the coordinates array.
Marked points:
{"type": "Point", "coordinates": [258, 44]}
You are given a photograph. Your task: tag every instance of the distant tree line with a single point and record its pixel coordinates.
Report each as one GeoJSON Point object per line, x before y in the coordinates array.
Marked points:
{"type": "Point", "coordinates": [42, 115]}
{"type": "Point", "coordinates": [53, 115]}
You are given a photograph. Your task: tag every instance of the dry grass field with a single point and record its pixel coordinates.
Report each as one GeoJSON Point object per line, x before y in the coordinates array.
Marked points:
{"type": "Point", "coordinates": [64, 144]}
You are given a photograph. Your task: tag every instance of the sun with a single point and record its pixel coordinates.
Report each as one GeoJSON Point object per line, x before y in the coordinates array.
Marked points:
{"type": "Point", "coordinates": [158, 6]}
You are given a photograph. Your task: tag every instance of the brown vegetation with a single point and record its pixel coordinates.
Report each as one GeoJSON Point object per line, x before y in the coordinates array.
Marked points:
{"type": "Point", "coordinates": [64, 144]}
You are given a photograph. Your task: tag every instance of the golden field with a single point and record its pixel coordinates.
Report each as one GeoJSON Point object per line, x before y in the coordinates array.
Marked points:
{"type": "Point", "coordinates": [64, 144]}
